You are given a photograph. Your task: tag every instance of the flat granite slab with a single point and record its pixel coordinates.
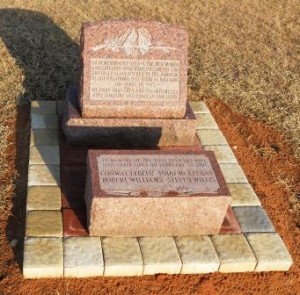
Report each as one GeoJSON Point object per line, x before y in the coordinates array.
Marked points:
{"type": "Point", "coordinates": [133, 69]}
{"type": "Point", "coordinates": [154, 193]}
{"type": "Point", "coordinates": [127, 133]}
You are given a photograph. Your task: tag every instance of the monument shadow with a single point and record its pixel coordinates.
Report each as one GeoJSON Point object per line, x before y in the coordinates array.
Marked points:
{"type": "Point", "coordinates": [50, 61]}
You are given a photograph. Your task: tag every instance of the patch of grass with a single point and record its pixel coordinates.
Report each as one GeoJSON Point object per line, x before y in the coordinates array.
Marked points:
{"type": "Point", "coordinates": [243, 53]}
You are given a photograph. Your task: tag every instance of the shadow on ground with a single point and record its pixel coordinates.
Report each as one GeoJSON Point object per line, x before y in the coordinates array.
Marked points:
{"type": "Point", "coordinates": [49, 60]}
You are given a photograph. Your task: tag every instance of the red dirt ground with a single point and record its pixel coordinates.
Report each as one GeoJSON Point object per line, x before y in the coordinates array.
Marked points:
{"type": "Point", "coordinates": [268, 162]}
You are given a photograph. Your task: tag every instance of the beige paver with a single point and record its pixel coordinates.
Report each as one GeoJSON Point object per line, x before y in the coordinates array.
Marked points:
{"type": "Point", "coordinates": [199, 107]}
{"type": "Point", "coordinates": [233, 173]}
{"type": "Point", "coordinates": [122, 257]}
{"type": "Point", "coordinates": [83, 257]}
{"type": "Point", "coordinates": [206, 121]}
{"type": "Point", "coordinates": [253, 219]}
{"type": "Point", "coordinates": [270, 252]}
{"type": "Point", "coordinates": [211, 137]}
{"type": "Point", "coordinates": [223, 153]}
{"type": "Point", "coordinates": [44, 137]}
{"type": "Point", "coordinates": [242, 194]}
{"type": "Point", "coordinates": [44, 121]}
{"type": "Point", "coordinates": [44, 154]}
{"type": "Point", "coordinates": [44, 224]}
{"type": "Point", "coordinates": [43, 258]}
{"type": "Point", "coordinates": [43, 198]}
{"type": "Point", "coordinates": [44, 175]}
{"type": "Point", "coordinates": [234, 253]}
{"type": "Point", "coordinates": [160, 255]}
{"type": "Point", "coordinates": [197, 254]}
{"type": "Point", "coordinates": [43, 107]}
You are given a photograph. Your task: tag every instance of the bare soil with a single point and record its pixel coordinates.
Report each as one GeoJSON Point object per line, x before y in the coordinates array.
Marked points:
{"type": "Point", "coordinates": [269, 163]}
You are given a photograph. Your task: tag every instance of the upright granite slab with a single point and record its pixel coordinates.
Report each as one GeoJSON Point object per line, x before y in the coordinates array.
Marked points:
{"type": "Point", "coordinates": [127, 132]}
{"type": "Point", "coordinates": [154, 193]}
{"type": "Point", "coordinates": [133, 69]}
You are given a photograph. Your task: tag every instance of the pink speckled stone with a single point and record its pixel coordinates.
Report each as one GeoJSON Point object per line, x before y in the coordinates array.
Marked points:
{"type": "Point", "coordinates": [133, 69]}
{"type": "Point", "coordinates": [132, 208]}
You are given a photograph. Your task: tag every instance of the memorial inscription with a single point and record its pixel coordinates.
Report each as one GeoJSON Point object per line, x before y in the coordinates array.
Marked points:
{"type": "Point", "coordinates": [132, 79]}
{"type": "Point", "coordinates": [156, 174]}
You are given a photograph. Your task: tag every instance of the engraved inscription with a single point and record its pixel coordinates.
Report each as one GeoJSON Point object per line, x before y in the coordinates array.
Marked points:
{"type": "Point", "coordinates": [134, 80]}
{"type": "Point", "coordinates": [156, 174]}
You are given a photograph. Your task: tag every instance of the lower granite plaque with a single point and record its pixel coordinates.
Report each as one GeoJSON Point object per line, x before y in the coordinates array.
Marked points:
{"type": "Point", "coordinates": [156, 174]}
{"type": "Point", "coordinates": [136, 193]}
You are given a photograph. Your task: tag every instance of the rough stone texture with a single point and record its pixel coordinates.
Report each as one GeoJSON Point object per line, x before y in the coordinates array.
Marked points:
{"type": "Point", "coordinates": [120, 133]}
{"type": "Point", "coordinates": [44, 137]}
{"type": "Point", "coordinates": [107, 45]}
{"type": "Point", "coordinates": [211, 137]}
{"type": "Point", "coordinates": [149, 211]}
{"type": "Point", "coordinates": [43, 107]}
{"type": "Point", "coordinates": [44, 121]}
{"type": "Point", "coordinates": [253, 219]}
{"type": "Point", "coordinates": [43, 258]}
{"type": "Point", "coordinates": [44, 154]}
{"type": "Point", "coordinates": [199, 107]}
{"type": "Point", "coordinates": [160, 255]}
{"type": "Point", "coordinates": [197, 254]}
{"type": "Point", "coordinates": [230, 224]}
{"type": "Point", "coordinates": [223, 153]}
{"type": "Point", "coordinates": [234, 253]}
{"type": "Point", "coordinates": [270, 252]}
{"type": "Point", "coordinates": [122, 257]}
{"type": "Point", "coordinates": [233, 173]}
{"type": "Point", "coordinates": [44, 175]}
{"type": "Point", "coordinates": [83, 257]}
{"type": "Point", "coordinates": [242, 194]}
{"type": "Point", "coordinates": [206, 121]}
{"type": "Point", "coordinates": [44, 224]}
{"type": "Point", "coordinates": [43, 198]}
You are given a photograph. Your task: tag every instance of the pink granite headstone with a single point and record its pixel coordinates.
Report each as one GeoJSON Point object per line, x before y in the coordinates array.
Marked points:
{"type": "Point", "coordinates": [133, 69]}
{"type": "Point", "coordinates": [154, 193]}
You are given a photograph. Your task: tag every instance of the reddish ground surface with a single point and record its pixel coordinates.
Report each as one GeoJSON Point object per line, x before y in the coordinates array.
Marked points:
{"type": "Point", "coordinates": [268, 162]}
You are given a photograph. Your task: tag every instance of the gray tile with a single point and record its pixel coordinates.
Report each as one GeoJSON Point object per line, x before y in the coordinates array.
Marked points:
{"type": "Point", "coordinates": [44, 121]}
{"type": "Point", "coordinates": [197, 254]}
{"type": "Point", "coordinates": [206, 121]}
{"type": "Point", "coordinates": [253, 219]}
{"type": "Point", "coordinates": [199, 107]}
{"type": "Point", "coordinates": [44, 154]}
{"type": "Point", "coordinates": [233, 173]}
{"type": "Point", "coordinates": [44, 137]}
{"type": "Point", "coordinates": [160, 255]}
{"type": "Point", "coordinates": [211, 137]}
{"type": "Point", "coordinates": [43, 107]}
{"type": "Point", "coordinates": [223, 153]}
{"type": "Point", "coordinates": [44, 175]}
{"type": "Point", "coordinates": [242, 194]}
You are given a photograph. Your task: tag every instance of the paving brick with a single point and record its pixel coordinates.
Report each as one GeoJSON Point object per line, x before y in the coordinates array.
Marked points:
{"type": "Point", "coordinates": [83, 257]}
{"type": "Point", "coordinates": [44, 175]}
{"type": "Point", "coordinates": [253, 219]}
{"type": "Point", "coordinates": [44, 154]}
{"type": "Point", "coordinates": [270, 252]}
{"type": "Point", "coordinates": [197, 254]}
{"type": "Point", "coordinates": [43, 107]}
{"type": "Point", "coordinates": [230, 224]}
{"type": "Point", "coordinates": [44, 137]}
{"type": "Point", "coordinates": [75, 223]}
{"type": "Point", "coordinates": [242, 194]}
{"type": "Point", "coordinates": [72, 154]}
{"type": "Point", "coordinates": [44, 224]}
{"type": "Point", "coordinates": [211, 137]}
{"type": "Point", "coordinates": [43, 258]}
{"type": "Point", "coordinates": [199, 107]}
{"type": "Point", "coordinates": [73, 176]}
{"type": "Point", "coordinates": [43, 198]}
{"type": "Point", "coordinates": [160, 255]}
{"type": "Point", "coordinates": [122, 257]}
{"type": "Point", "coordinates": [73, 197]}
{"type": "Point", "coordinates": [44, 121]}
{"type": "Point", "coordinates": [206, 121]}
{"type": "Point", "coordinates": [60, 107]}
{"type": "Point", "coordinates": [234, 253]}
{"type": "Point", "coordinates": [223, 153]}
{"type": "Point", "coordinates": [233, 173]}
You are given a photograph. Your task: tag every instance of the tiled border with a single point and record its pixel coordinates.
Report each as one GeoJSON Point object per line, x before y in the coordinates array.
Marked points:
{"type": "Point", "coordinates": [48, 254]}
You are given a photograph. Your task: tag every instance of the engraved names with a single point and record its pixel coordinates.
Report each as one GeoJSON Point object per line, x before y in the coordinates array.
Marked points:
{"type": "Point", "coordinates": [134, 79]}
{"type": "Point", "coordinates": [156, 174]}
